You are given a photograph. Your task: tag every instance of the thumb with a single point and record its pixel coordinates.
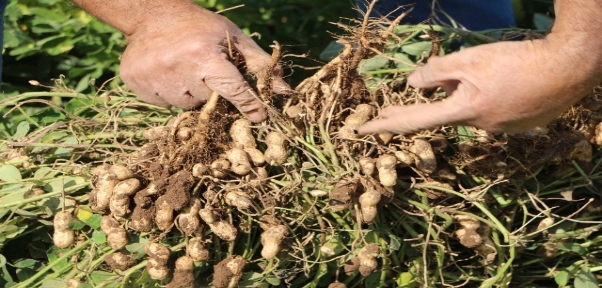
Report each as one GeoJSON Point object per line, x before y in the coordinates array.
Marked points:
{"type": "Point", "coordinates": [443, 71]}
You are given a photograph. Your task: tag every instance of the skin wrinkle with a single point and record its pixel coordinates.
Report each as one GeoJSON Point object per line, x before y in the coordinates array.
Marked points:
{"type": "Point", "coordinates": [177, 53]}
{"type": "Point", "coordinates": [511, 86]}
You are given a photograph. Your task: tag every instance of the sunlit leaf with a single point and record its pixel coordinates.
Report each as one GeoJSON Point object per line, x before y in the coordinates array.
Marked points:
{"type": "Point", "coordinates": [22, 130]}
{"type": "Point", "coordinates": [417, 49]}
{"type": "Point", "coordinates": [25, 263]}
{"type": "Point", "coordinates": [374, 63]}
{"type": "Point", "coordinates": [585, 279]}
{"type": "Point", "coordinates": [53, 283]}
{"type": "Point", "coordinates": [394, 242]}
{"type": "Point", "coordinates": [94, 221]}
{"type": "Point", "coordinates": [562, 278]}
{"type": "Point", "coordinates": [99, 237]}
{"type": "Point", "coordinates": [10, 173]}
{"type": "Point", "coordinates": [53, 254]}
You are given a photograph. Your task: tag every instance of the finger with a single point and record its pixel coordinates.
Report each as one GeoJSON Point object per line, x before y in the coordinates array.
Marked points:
{"type": "Point", "coordinates": [388, 112]}
{"type": "Point", "coordinates": [413, 118]}
{"type": "Point", "coordinates": [439, 71]}
{"type": "Point", "coordinates": [227, 81]}
{"type": "Point", "coordinates": [255, 58]}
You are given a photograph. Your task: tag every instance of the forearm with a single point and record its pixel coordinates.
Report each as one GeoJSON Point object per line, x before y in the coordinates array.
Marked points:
{"type": "Point", "coordinates": [578, 24]}
{"type": "Point", "coordinates": [130, 16]}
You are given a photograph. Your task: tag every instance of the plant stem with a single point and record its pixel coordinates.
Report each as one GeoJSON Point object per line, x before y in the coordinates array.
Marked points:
{"type": "Point", "coordinates": [481, 207]}
{"type": "Point", "coordinates": [27, 283]}
{"type": "Point", "coordinates": [47, 195]}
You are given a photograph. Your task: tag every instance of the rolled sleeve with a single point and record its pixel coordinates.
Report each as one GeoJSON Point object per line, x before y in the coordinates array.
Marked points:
{"type": "Point", "coordinates": [2, 8]}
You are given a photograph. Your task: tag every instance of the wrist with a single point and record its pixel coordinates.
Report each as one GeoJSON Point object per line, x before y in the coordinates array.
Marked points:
{"type": "Point", "coordinates": [581, 54]}
{"type": "Point", "coordinates": [133, 17]}
{"type": "Point", "coordinates": [575, 34]}
{"type": "Point", "coordinates": [167, 15]}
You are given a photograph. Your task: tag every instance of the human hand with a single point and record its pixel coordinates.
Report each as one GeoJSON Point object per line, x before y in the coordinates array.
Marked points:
{"type": "Point", "coordinates": [180, 60]}
{"type": "Point", "coordinates": [501, 87]}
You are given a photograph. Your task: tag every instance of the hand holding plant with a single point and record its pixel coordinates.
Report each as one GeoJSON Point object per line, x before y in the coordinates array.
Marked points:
{"type": "Point", "coordinates": [178, 53]}
{"type": "Point", "coordinates": [508, 86]}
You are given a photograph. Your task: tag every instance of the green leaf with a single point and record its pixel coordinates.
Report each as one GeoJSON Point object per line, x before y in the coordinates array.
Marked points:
{"type": "Point", "coordinates": [54, 136]}
{"type": "Point", "coordinates": [23, 50]}
{"type": "Point", "coordinates": [76, 224]}
{"type": "Point", "coordinates": [80, 106]}
{"type": "Point", "coordinates": [562, 228]}
{"type": "Point", "coordinates": [53, 204]}
{"type": "Point", "coordinates": [60, 184]}
{"type": "Point", "coordinates": [373, 280]}
{"type": "Point", "coordinates": [45, 14]}
{"type": "Point", "coordinates": [250, 279]}
{"type": "Point", "coordinates": [406, 278]}
{"type": "Point", "coordinates": [394, 242]}
{"type": "Point", "coordinates": [14, 188]}
{"type": "Point", "coordinates": [48, 116]}
{"type": "Point", "coordinates": [374, 63]}
{"type": "Point", "coordinates": [51, 41]}
{"type": "Point", "coordinates": [45, 173]}
{"type": "Point", "coordinates": [572, 247]}
{"type": "Point", "coordinates": [24, 274]}
{"type": "Point", "coordinates": [12, 194]}
{"type": "Point", "coordinates": [11, 231]}
{"type": "Point", "coordinates": [417, 49]}
{"type": "Point", "coordinates": [94, 221]}
{"type": "Point", "coordinates": [332, 50]}
{"type": "Point", "coordinates": [99, 237]}
{"type": "Point", "coordinates": [26, 213]}
{"type": "Point", "coordinates": [6, 277]}
{"type": "Point", "coordinates": [66, 152]}
{"type": "Point", "coordinates": [101, 276]}
{"type": "Point", "coordinates": [25, 263]}
{"type": "Point", "coordinates": [542, 22]}
{"type": "Point", "coordinates": [53, 283]}
{"type": "Point", "coordinates": [585, 279]}
{"type": "Point", "coordinates": [405, 60]}
{"type": "Point", "coordinates": [335, 244]}
{"type": "Point", "coordinates": [22, 130]}
{"type": "Point", "coordinates": [10, 173]}
{"type": "Point", "coordinates": [273, 280]}
{"type": "Point", "coordinates": [83, 83]}
{"type": "Point", "coordinates": [136, 246]}
{"type": "Point", "coordinates": [465, 134]}
{"type": "Point", "coordinates": [562, 278]}
{"type": "Point", "coordinates": [2, 260]}
{"type": "Point", "coordinates": [53, 254]}
{"type": "Point", "coordinates": [322, 270]}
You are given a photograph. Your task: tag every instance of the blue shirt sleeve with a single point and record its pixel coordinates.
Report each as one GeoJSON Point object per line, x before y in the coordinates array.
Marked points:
{"type": "Point", "coordinates": [475, 15]}
{"type": "Point", "coordinates": [2, 8]}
